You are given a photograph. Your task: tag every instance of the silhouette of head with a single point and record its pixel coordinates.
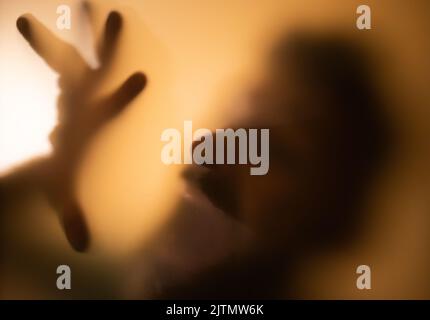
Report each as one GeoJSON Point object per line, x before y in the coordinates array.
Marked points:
{"type": "Point", "coordinates": [326, 136]}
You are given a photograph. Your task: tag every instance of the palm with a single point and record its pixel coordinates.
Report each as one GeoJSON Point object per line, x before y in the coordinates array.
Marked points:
{"type": "Point", "coordinates": [80, 113]}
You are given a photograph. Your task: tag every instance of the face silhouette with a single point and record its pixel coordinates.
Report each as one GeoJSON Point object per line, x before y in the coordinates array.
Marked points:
{"type": "Point", "coordinates": [315, 100]}
{"type": "Point", "coordinates": [272, 204]}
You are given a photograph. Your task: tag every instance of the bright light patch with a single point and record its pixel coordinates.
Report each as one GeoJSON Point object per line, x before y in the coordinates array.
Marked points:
{"type": "Point", "coordinates": [27, 115]}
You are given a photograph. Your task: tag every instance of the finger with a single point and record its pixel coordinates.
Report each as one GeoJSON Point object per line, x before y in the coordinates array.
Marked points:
{"type": "Point", "coordinates": [59, 55]}
{"type": "Point", "coordinates": [89, 11]}
{"type": "Point", "coordinates": [115, 103]}
{"type": "Point", "coordinates": [107, 45]}
{"type": "Point", "coordinates": [75, 227]}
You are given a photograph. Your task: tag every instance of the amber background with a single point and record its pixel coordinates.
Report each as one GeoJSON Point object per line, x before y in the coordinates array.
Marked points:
{"type": "Point", "coordinates": [199, 56]}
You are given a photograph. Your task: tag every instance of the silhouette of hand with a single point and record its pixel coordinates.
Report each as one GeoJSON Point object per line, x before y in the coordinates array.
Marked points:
{"type": "Point", "coordinates": [80, 114]}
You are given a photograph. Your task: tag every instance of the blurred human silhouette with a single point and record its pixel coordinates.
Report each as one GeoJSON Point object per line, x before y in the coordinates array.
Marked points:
{"type": "Point", "coordinates": [326, 137]}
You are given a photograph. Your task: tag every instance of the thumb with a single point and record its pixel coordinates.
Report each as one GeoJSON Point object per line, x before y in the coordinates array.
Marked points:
{"type": "Point", "coordinates": [75, 226]}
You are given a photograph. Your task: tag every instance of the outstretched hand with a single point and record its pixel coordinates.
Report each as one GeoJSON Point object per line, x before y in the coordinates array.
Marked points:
{"type": "Point", "coordinates": [80, 114]}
